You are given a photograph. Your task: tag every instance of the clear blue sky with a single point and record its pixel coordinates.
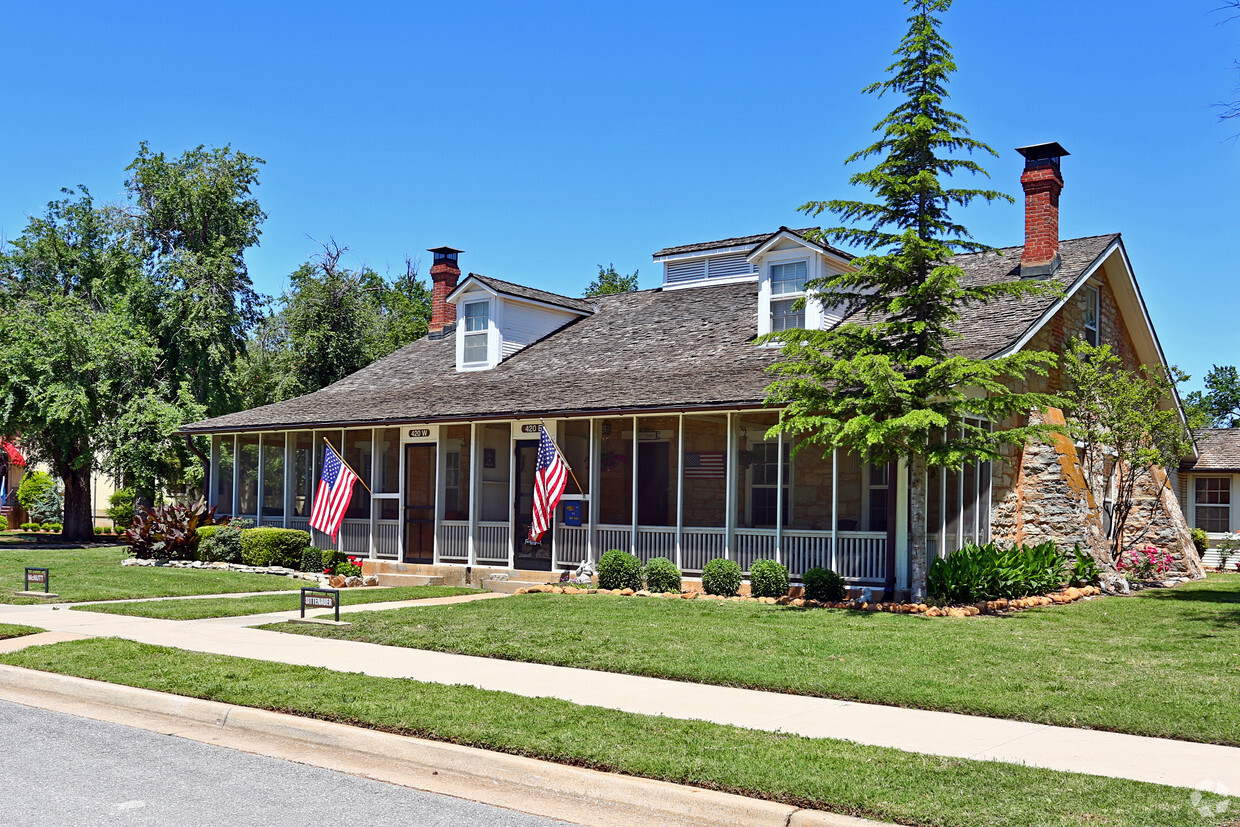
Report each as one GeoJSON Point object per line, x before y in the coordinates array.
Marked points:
{"type": "Point", "coordinates": [547, 138]}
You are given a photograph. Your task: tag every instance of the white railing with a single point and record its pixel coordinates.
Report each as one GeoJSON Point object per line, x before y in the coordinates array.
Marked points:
{"type": "Point", "coordinates": [494, 543]}
{"type": "Point", "coordinates": [387, 539]}
{"type": "Point", "coordinates": [320, 540]}
{"type": "Point", "coordinates": [656, 541]}
{"type": "Point", "coordinates": [614, 536]}
{"type": "Point", "coordinates": [271, 522]}
{"type": "Point", "coordinates": [754, 544]}
{"type": "Point", "coordinates": [454, 540]}
{"type": "Point", "coordinates": [355, 537]}
{"type": "Point", "coordinates": [698, 545]}
{"type": "Point", "coordinates": [299, 523]}
{"type": "Point", "coordinates": [805, 550]}
{"type": "Point", "coordinates": [862, 555]}
{"type": "Point", "coordinates": [572, 544]}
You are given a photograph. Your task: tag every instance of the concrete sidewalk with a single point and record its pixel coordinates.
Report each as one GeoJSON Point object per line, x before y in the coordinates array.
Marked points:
{"type": "Point", "coordinates": [1177, 763]}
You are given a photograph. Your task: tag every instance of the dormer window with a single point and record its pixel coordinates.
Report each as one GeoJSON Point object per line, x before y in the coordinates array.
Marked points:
{"type": "Point", "coordinates": [787, 286]}
{"type": "Point", "coordinates": [475, 322]}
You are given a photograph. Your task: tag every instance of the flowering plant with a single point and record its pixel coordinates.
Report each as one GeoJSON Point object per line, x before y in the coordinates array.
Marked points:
{"type": "Point", "coordinates": [611, 459]}
{"type": "Point", "coordinates": [1144, 564]}
{"type": "Point", "coordinates": [1227, 549]}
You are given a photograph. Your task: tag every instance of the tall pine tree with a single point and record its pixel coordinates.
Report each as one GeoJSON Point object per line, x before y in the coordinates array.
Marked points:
{"type": "Point", "coordinates": [884, 383]}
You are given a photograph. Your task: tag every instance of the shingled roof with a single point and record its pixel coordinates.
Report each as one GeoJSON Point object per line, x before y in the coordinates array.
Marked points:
{"type": "Point", "coordinates": [520, 291]}
{"type": "Point", "coordinates": [684, 349]}
{"type": "Point", "coordinates": [1218, 449]}
{"type": "Point", "coordinates": [746, 241]}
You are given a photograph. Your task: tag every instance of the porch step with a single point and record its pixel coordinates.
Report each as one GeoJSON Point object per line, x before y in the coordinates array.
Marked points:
{"type": "Point", "coordinates": [386, 579]}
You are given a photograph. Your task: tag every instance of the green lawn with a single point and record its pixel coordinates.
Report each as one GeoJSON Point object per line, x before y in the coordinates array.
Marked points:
{"type": "Point", "coordinates": [261, 604]}
{"type": "Point", "coordinates": [826, 774]}
{"type": "Point", "coordinates": [96, 574]}
{"type": "Point", "coordinates": [1165, 663]}
{"type": "Point", "coordinates": [8, 630]}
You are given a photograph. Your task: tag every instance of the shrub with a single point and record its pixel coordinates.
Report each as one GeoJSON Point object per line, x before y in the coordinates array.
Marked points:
{"type": "Point", "coordinates": [768, 579]}
{"type": "Point", "coordinates": [989, 572]}
{"type": "Point", "coordinates": [273, 546]}
{"type": "Point", "coordinates": [4, 523]}
{"type": "Point", "coordinates": [1145, 564]}
{"type": "Point", "coordinates": [311, 560]}
{"type": "Point", "coordinates": [824, 585]}
{"type": "Point", "coordinates": [1085, 571]}
{"type": "Point", "coordinates": [219, 544]}
{"type": "Point", "coordinates": [1227, 548]}
{"type": "Point", "coordinates": [619, 570]}
{"type": "Point", "coordinates": [49, 507]}
{"type": "Point", "coordinates": [32, 487]}
{"type": "Point", "coordinates": [54, 527]}
{"type": "Point", "coordinates": [121, 507]}
{"type": "Point", "coordinates": [1201, 540]}
{"type": "Point", "coordinates": [98, 529]}
{"type": "Point", "coordinates": [662, 575]}
{"type": "Point", "coordinates": [30, 526]}
{"type": "Point", "coordinates": [721, 577]}
{"type": "Point", "coordinates": [168, 532]}
{"type": "Point", "coordinates": [337, 562]}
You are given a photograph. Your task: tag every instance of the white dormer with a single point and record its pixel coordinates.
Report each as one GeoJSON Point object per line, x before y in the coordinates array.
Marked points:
{"type": "Point", "coordinates": [785, 262]}
{"type": "Point", "coordinates": [496, 319]}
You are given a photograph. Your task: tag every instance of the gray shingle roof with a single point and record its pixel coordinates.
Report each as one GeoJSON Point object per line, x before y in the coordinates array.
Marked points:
{"type": "Point", "coordinates": [744, 241]}
{"type": "Point", "coordinates": [1218, 449]}
{"type": "Point", "coordinates": [522, 292]}
{"type": "Point", "coordinates": [648, 350]}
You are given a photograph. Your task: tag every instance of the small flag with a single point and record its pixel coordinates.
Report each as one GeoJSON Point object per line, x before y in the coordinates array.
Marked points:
{"type": "Point", "coordinates": [332, 498]}
{"type": "Point", "coordinates": [550, 477]}
{"type": "Point", "coordinates": [711, 466]}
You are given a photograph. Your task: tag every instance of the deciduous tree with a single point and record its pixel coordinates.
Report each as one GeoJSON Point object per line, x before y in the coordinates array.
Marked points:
{"type": "Point", "coordinates": [609, 281]}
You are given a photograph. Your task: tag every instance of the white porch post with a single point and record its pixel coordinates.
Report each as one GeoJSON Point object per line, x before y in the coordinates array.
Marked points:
{"type": "Point", "coordinates": [779, 496]}
{"type": "Point", "coordinates": [213, 473]}
{"type": "Point", "coordinates": [680, 489]}
{"type": "Point", "coordinates": [941, 547]}
{"type": "Point", "coordinates": [474, 489]}
{"type": "Point", "coordinates": [596, 480]}
{"type": "Point", "coordinates": [290, 460]}
{"type": "Point", "coordinates": [633, 532]}
{"type": "Point", "coordinates": [236, 475]}
{"type": "Point", "coordinates": [258, 506]}
{"type": "Point", "coordinates": [902, 534]}
{"type": "Point", "coordinates": [960, 502]}
{"type": "Point", "coordinates": [441, 476]}
{"type": "Point", "coordinates": [729, 517]}
{"type": "Point", "coordinates": [835, 509]}
{"type": "Point", "coordinates": [374, 504]}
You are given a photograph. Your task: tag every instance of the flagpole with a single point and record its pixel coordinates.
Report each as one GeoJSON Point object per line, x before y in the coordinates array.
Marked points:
{"type": "Point", "coordinates": [563, 459]}
{"type": "Point", "coordinates": [340, 456]}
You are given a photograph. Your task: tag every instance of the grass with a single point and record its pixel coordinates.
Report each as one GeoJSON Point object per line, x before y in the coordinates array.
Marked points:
{"type": "Point", "coordinates": [825, 774]}
{"type": "Point", "coordinates": [8, 630]}
{"type": "Point", "coordinates": [1164, 663]}
{"type": "Point", "coordinates": [96, 574]}
{"type": "Point", "coordinates": [261, 604]}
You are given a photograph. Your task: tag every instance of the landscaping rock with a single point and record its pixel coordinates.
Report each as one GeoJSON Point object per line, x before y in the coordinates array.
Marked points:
{"type": "Point", "coordinates": [641, 593]}
{"type": "Point", "coordinates": [370, 580]}
{"type": "Point", "coordinates": [522, 591]}
{"type": "Point", "coordinates": [556, 590]}
{"type": "Point", "coordinates": [353, 581]}
{"type": "Point", "coordinates": [689, 596]}
{"type": "Point", "coordinates": [627, 592]}
{"type": "Point", "coordinates": [338, 581]}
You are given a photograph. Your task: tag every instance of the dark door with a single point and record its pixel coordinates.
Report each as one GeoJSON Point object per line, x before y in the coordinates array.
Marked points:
{"type": "Point", "coordinates": [420, 503]}
{"type": "Point", "coordinates": [527, 555]}
{"type": "Point", "coordinates": [652, 483]}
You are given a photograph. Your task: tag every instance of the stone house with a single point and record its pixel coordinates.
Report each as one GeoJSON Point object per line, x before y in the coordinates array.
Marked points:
{"type": "Point", "coordinates": [656, 399]}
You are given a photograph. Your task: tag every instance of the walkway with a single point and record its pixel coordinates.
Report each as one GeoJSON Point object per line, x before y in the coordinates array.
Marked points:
{"type": "Point", "coordinates": [1177, 763]}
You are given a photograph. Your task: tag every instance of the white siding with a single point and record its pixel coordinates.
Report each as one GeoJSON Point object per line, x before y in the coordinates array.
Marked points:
{"type": "Point", "coordinates": [523, 324]}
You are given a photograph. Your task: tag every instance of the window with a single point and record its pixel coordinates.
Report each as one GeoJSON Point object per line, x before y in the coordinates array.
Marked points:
{"type": "Point", "coordinates": [1213, 503]}
{"type": "Point", "coordinates": [475, 333]}
{"type": "Point", "coordinates": [1091, 314]}
{"type": "Point", "coordinates": [878, 486]}
{"type": "Point", "coordinates": [766, 483]}
{"type": "Point", "coordinates": [787, 280]}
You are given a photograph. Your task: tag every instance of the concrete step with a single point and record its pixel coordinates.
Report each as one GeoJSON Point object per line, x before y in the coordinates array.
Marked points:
{"type": "Point", "coordinates": [386, 579]}
{"type": "Point", "coordinates": [505, 586]}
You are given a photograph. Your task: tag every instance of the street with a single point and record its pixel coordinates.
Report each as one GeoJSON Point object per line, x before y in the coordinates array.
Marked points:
{"type": "Point", "coordinates": [58, 769]}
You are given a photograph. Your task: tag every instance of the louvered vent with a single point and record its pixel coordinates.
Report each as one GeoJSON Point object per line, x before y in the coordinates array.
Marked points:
{"type": "Point", "coordinates": [722, 267]}
{"type": "Point", "coordinates": [707, 269]}
{"type": "Point", "coordinates": [675, 272]}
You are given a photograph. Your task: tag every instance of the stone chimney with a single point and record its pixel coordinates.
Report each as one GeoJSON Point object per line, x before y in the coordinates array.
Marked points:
{"type": "Point", "coordinates": [1043, 182]}
{"type": "Point", "coordinates": [444, 275]}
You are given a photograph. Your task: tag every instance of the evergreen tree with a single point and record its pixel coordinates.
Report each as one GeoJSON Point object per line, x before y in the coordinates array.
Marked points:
{"type": "Point", "coordinates": [884, 384]}
{"type": "Point", "coordinates": [610, 281]}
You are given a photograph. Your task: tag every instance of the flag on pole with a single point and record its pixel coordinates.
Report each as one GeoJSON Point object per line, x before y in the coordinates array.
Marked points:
{"type": "Point", "coordinates": [332, 498]}
{"type": "Point", "coordinates": [550, 477]}
{"type": "Point", "coordinates": [707, 466]}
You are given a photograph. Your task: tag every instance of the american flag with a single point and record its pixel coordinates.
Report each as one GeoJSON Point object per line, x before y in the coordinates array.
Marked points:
{"type": "Point", "coordinates": [705, 466]}
{"type": "Point", "coordinates": [550, 477]}
{"type": "Point", "coordinates": [332, 498]}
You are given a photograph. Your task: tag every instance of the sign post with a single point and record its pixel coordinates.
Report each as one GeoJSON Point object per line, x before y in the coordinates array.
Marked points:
{"type": "Point", "coordinates": [36, 576]}
{"type": "Point", "coordinates": [312, 598]}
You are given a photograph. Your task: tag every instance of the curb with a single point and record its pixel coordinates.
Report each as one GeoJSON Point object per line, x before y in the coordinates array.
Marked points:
{"type": "Point", "coordinates": [491, 777]}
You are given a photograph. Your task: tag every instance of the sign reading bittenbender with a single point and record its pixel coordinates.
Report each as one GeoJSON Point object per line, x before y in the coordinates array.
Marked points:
{"type": "Point", "coordinates": [37, 576]}
{"type": "Point", "coordinates": [320, 599]}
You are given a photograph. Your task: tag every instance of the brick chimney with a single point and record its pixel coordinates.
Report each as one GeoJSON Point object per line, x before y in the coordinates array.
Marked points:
{"type": "Point", "coordinates": [444, 274]}
{"type": "Point", "coordinates": [1043, 182]}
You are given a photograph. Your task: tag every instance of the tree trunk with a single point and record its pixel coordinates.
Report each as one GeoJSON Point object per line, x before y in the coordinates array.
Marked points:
{"type": "Point", "coordinates": [79, 524]}
{"type": "Point", "coordinates": [917, 526]}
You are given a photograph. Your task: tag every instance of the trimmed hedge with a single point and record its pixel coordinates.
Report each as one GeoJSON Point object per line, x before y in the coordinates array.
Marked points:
{"type": "Point", "coordinates": [273, 546]}
{"type": "Point", "coordinates": [662, 575]}
{"type": "Point", "coordinates": [219, 544]}
{"type": "Point", "coordinates": [619, 570]}
{"type": "Point", "coordinates": [4, 523]}
{"type": "Point", "coordinates": [768, 579]}
{"type": "Point", "coordinates": [311, 560]}
{"type": "Point", "coordinates": [722, 577]}
{"type": "Point", "coordinates": [824, 585]}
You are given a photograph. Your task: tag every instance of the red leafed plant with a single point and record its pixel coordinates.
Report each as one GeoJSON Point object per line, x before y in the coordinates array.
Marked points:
{"type": "Point", "coordinates": [168, 532]}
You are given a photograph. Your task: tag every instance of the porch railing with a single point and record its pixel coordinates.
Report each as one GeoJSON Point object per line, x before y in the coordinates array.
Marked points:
{"type": "Point", "coordinates": [572, 545]}
{"type": "Point", "coordinates": [494, 543]}
{"type": "Point", "coordinates": [656, 541]}
{"type": "Point", "coordinates": [698, 545]}
{"type": "Point", "coordinates": [454, 541]}
{"type": "Point", "coordinates": [387, 539]}
{"type": "Point", "coordinates": [355, 537]}
{"type": "Point", "coordinates": [613, 536]}
{"type": "Point", "coordinates": [754, 544]}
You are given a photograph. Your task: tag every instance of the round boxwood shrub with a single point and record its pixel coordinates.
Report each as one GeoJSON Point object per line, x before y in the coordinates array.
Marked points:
{"type": "Point", "coordinates": [219, 544]}
{"type": "Point", "coordinates": [768, 579]}
{"type": "Point", "coordinates": [823, 585]}
{"type": "Point", "coordinates": [721, 577]}
{"type": "Point", "coordinates": [273, 546]}
{"type": "Point", "coordinates": [619, 570]}
{"type": "Point", "coordinates": [312, 560]}
{"type": "Point", "coordinates": [4, 523]}
{"type": "Point", "coordinates": [662, 575]}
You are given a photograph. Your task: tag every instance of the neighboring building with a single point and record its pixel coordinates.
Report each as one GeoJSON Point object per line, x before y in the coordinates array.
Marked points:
{"type": "Point", "coordinates": [656, 398]}
{"type": "Point", "coordinates": [1208, 485]}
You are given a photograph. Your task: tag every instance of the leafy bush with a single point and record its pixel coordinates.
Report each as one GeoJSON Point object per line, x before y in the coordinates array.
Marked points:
{"type": "Point", "coordinates": [311, 560]}
{"type": "Point", "coordinates": [1145, 564]}
{"type": "Point", "coordinates": [273, 546]}
{"type": "Point", "coordinates": [49, 507]}
{"type": "Point", "coordinates": [721, 576]}
{"type": "Point", "coordinates": [337, 562]}
{"type": "Point", "coordinates": [4, 523]}
{"type": "Point", "coordinates": [1201, 540]}
{"type": "Point", "coordinates": [662, 575]}
{"type": "Point", "coordinates": [32, 486]}
{"type": "Point", "coordinates": [98, 529]}
{"type": "Point", "coordinates": [56, 527]}
{"type": "Point", "coordinates": [1085, 571]}
{"type": "Point", "coordinates": [619, 570]}
{"type": "Point", "coordinates": [168, 532]}
{"type": "Point", "coordinates": [824, 585]}
{"type": "Point", "coordinates": [989, 572]}
{"type": "Point", "coordinates": [768, 579]}
{"type": "Point", "coordinates": [121, 507]}
{"type": "Point", "coordinates": [219, 544]}
{"type": "Point", "coordinates": [31, 526]}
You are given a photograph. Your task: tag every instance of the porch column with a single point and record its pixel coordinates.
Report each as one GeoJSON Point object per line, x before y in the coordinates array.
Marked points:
{"type": "Point", "coordinates": [960, 502]}
{"type": "Point", "coordinates": [729, 517]}
{"type": "Point", "coordinates": [474, 489]}
{"type": "Point", "coordinates": [213, 473]}
{"type": "Point", "coordinates": [595, 482]}
{"type": "Point", "coordinates": [835, 509]}
{"type": "Point", "coordinates": [680, 489]}
{"type": "Point", "coordinates": [258, 507]}
{"type": "Point", "coordinates": [633, 540]}
{"type": "Point", "coordinates": [290, 460]}
{"type": "Point", "coordinates": [779, 496]}
{"type": "Point", "coordinates": [374, 504]}
{"type": "Point", "coordinates": [236, 474]}
{"type": "Point", "coordinates": [902, 534]}
{"type": "Point", "coordinates": [441, 475]}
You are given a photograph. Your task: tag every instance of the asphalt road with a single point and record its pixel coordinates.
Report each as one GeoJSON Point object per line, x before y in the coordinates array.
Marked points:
{"type": "Point", "coordinates": [58, 769]}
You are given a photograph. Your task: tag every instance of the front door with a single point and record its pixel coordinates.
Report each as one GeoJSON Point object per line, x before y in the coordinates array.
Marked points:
{"type": "Point", "coordinates": [420, 503]}
{"type": "Point", "coordinates": [526, 554]}
{"type": "Point", "coordinates": [652, 482]}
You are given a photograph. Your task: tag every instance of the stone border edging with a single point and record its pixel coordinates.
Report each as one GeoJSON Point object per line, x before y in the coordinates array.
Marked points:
{"type": "Point", "coordinates": [481, 769]}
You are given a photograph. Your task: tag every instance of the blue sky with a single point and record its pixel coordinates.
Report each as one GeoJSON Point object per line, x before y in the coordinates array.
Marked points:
{"type": "Point", "coordinates": [547, 138]}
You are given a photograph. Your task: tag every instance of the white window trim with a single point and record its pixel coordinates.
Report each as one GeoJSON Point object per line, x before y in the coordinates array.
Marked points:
{"type": "Point", "coordinates": [786, 486]}
{"type": "Point", "coordinates": [491, 332]}
{"type": "Point", "coordinates": [1192, 493]}
{"type": "Point", "coordinates": [1094, 294]}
